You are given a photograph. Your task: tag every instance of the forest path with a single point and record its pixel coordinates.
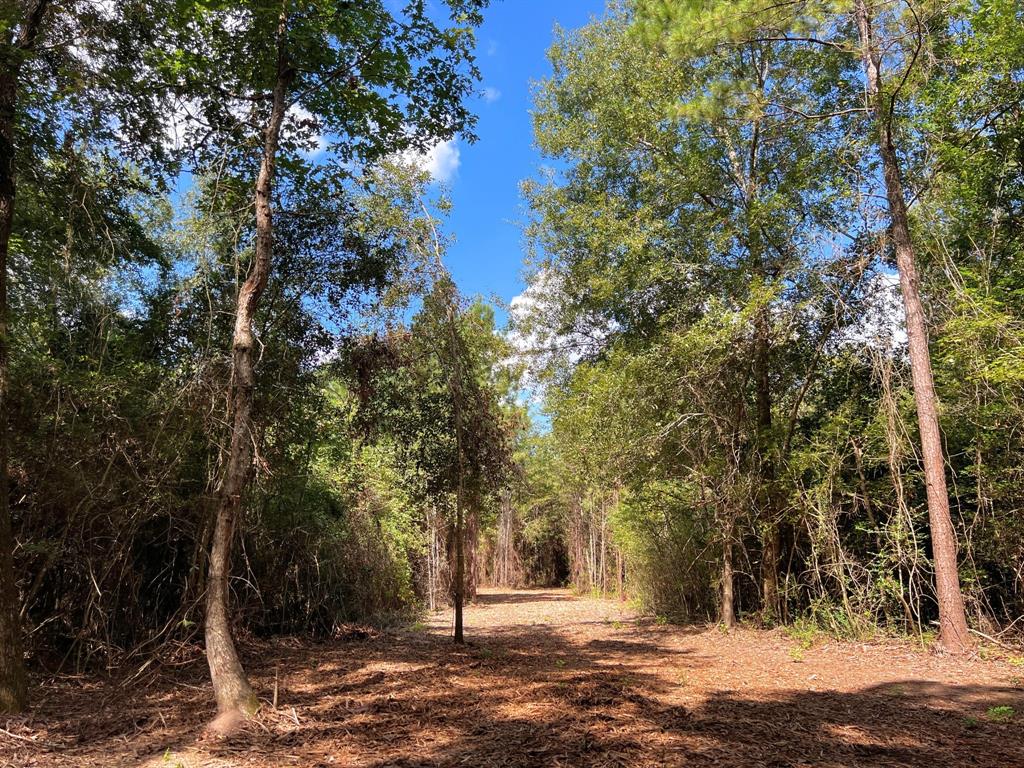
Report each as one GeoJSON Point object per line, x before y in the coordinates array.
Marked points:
{"type": "Point", "coordinates": [550, 679]}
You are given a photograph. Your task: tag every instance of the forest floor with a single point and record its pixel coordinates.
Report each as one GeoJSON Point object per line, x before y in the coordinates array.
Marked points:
{"type": "Point", "coordinates": [548, 679]}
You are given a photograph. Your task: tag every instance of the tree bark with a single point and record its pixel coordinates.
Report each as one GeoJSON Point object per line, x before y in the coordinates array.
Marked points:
{"type": "Point", "coordinates": [769, 523]}
{"type": "Point", "coordinates": [470, 540]}
{"type": "Point", "coordinates": [230, 684]}
{"type": "Point", "coordinates": [13, 683]}
{"type": "Point", "coordinates": [460, 560]}
{"type": "Point", "coordinates": [953, 634]}
{"type": "Point", "coordinates": [728, 609]}
{"type": "Point", "coordinates": [619, 574]}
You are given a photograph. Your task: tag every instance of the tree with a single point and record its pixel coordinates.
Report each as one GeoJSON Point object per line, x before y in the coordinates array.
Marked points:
{"type": "Point", "coordinates": [20, 36]}
{"type": "Point", "coordinates": [277, 75]}
{"type": "Point", "coordinates": [969, 264]}
{"type": "Point", "coordinates": [953, 635]}
{"type": "Point", "coordinates": [686, 181]}
{"type": "Point", "coordinates": [482, 440]}
{"type": "Point", "coordinates": [437, 389]}
{"type": "Point", "coordinates": [68, 72]}
{"type": "Point", "coordinates": [820, 26]}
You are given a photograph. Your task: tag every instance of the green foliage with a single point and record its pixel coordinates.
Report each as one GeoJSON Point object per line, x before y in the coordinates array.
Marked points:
{"type": "Point", "coordinates": [122, 302]}
{"type": "Point", "coordinates": [124, 377]}
{"type": "Point", "coordinates": [725, 387]}
{"type": "Point", "coordinates": [1000, 713]}
{"type": "Point", "coordinates": [713, 292]}
{"type": "Point", "coordinates": [367, 79]}
{"type": "Point", "coordinates": [806, 632]}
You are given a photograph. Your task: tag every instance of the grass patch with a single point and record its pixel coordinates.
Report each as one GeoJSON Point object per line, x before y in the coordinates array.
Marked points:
{"type": "Point", "coordinates": [805, 632]}
{"type": "Point", "coordinates": [1000, 714]}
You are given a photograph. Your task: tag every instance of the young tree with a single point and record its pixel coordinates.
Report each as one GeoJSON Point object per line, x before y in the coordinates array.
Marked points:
{"type": "Point", "coordinates": [273, 81]}
{"type": "Point", "coordinates": [437, 390]}
{"type": "Point", "coordinates": [482, 436]}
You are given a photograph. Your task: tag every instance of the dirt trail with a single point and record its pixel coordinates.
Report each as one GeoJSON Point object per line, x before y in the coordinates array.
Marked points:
{"type": "Point", "coordinates": [549, 679]}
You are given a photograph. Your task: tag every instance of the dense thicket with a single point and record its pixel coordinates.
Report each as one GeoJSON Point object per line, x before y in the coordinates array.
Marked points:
{"type": "Point", "coordinates": [118, 434]}
{"type": "Point", "coordinates": [213, 201]}
{"type": "Point", "coordinates": [239, 392]}
{"type": "Point", "coordinates": [715, 291]}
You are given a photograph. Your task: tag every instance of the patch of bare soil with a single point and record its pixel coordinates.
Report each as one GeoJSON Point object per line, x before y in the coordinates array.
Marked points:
{"type": "Point", "coordinates": [547, 679]}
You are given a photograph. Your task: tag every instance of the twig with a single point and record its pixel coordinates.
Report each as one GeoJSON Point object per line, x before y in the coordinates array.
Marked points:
{"type": "Point", "coordinates": [993, 640]}
{"type": "Point", "coordinates": [37, 742]}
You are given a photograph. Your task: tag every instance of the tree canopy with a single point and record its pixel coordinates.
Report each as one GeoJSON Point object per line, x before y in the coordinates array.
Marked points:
{"type": "Point", "coordinates": [767, 366]}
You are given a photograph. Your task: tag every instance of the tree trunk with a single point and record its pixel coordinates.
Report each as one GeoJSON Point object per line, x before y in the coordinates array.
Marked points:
{"type": "Point", "coordinates": [471, 540]}
{"type": "Point", "coordinates": [770, 547]}
{"type": "Point", "coordinates": [13, 684]}
{"type": "Point", "coordinates": [460, 561]}
{"type": "Point", "coordinates": [769, 523]}
{"type": "Point", "coordinates": [953, 634]}
{"type": "Point", "coordinates": [618, 573]}
{"type": "Point", "coordinates": [230, 685]}
{"type": "Point", "coordinates": [728, 611]}
{"type": "Point", "coordinates": [508, 568]}
{"type": "Point", "coordinates": [437, 563]}
{"type": "Point", "coordinates": [455, 383]}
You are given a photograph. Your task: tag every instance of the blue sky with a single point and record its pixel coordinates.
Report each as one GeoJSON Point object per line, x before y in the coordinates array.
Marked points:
{"type": "Point", "coordinates": [487, 257]}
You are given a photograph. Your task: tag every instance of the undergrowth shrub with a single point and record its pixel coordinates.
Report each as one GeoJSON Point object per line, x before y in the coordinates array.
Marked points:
{"type": "Point", "coordinates": [670, 565]}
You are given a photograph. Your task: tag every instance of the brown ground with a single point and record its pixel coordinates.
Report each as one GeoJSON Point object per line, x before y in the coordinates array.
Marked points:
{"type": "Point", "coordinates": [554, 680]}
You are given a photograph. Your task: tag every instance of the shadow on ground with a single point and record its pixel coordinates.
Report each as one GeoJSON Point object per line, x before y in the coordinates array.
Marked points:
{"type": "Point", "coordinates": [513, 598]}
{"type": "Point", "coordinates": [612, 695]}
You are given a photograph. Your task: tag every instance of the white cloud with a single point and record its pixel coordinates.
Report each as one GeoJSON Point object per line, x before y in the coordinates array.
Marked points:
{"type": "Point", "coordinates": [179, 122]}
{"type": "Point", "coordinates": [882, 325]}
{"type": "Point", "coordinates": [491, 95]}
{"type": "Point", "coordinates": [441, 161]}
{"type": "Point", "coordinates": [303, 125]}
{"type": "Point", "coordinates": [525, 342]}
{"type": "Point", "coordinates": [492, 47]}
{"type": "Point", "coordinates": [536, 346]}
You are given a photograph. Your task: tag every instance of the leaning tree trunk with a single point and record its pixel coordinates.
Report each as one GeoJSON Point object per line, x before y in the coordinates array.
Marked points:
{"type": "Point", "coordinates": [953, 634]}
{"type": "Point", "coordinates": [13, 685]}
{"type": "Point", "coordinates": [230, 685]}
